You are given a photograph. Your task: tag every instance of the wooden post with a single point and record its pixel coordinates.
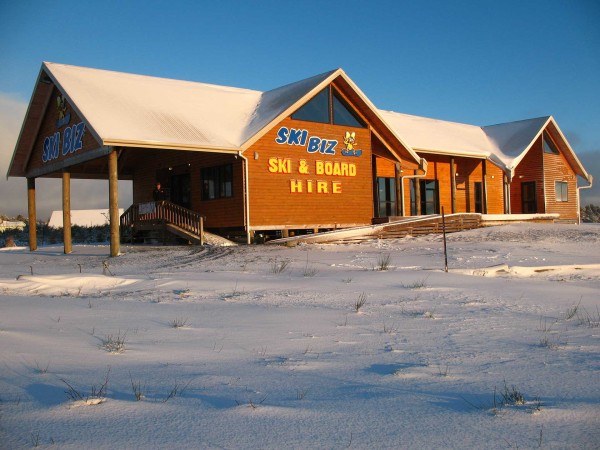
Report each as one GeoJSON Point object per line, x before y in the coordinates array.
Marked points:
{"type": "Point", "coordinates": [484, 207]}
{"type": "Point", "coordinates": [113, 204]}
{"type": "Point", "coordinates": [32, 216]}
{"type": "Point", "coordinates": [201, 230]}
{"type": "Point", "coordinates": [444, 235]}
{"type": "Point", "coordinates": [66, 206]}
{"type": "Point", "coordinates": [417, 185]}
{"type": "Point", "coordinates": [453, 184]}
{"type": "Point", "coordinates": [398, 184]}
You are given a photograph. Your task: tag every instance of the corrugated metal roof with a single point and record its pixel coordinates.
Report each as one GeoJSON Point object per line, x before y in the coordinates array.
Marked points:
{"type": "Point", "coordinates": [136, 110]}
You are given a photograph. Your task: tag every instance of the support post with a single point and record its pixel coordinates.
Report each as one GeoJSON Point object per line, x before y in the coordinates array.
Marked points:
{"type": "Point", "coordinates": [453, 184]}
{"type": "Point", "coordinates": [484, 187]}
{"type": "Point", "coordinates": [113, 203]}
{"type": "Point", "coordinates": [398, 183]}
{"type": "Point", "coordinates": [32, 214]}
{"type": "Point", "coordinates": [66, 207]}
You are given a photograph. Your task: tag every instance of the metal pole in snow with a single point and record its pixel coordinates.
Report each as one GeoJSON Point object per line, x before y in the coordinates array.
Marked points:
{"type": "Point", "coordinates": [444, 234]}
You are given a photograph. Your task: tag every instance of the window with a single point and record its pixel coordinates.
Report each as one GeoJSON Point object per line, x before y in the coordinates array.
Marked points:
{"type": "Point", "coordinates": [343, 114]}
{"type": "Point", "coordinates": [424, 197]}
{"type": "Point", "coordinates": [217, 182]}
{"type": "Point", "coordinates": [561, 188]}
{"type": "Point", "coordinates": [319, 109]}
{"type": "Point", "coordinates": [549, 146]}
{"type": "Point", "coordinates": [316, 110]}
{"type": "Point", "coordinates": [386, 196]}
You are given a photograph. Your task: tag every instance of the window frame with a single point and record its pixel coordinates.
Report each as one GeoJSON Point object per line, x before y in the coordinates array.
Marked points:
{"type": "Point", "coordinates": [332, 94]}
{"type": "Point", "coordinates": [549, 146]}
{"type": "Point", "coordinates": [561, 191]}
{"type": "Point", "coordinates": [221, 178]}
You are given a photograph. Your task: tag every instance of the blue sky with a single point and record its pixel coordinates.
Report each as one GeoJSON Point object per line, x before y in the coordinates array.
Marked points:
{"type": "Point", "coordinates": [478, 62]}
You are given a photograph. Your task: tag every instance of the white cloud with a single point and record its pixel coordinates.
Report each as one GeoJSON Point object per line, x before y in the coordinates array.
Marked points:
{"type": "Point", "coordinates": [85, 194]}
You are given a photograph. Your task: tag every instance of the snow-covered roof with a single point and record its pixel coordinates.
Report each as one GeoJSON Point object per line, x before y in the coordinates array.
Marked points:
{"type": "Point", "coordinates": [128, 109]}
{"type": "Point", "coordinates": [124, 109]}
{"type": "Point", "coordinates": [82, 217]}
{"type": "Point", "coordinates": [504, 144]}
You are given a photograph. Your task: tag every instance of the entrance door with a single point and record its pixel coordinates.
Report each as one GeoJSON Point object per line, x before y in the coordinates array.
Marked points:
{"type": "Point", "coordinates": [478, 197]}
{"type": "Point", "coordinates": [529, 197]}
{"type": "Point", "coordinates": [180, 190]}
{"type": "Point", "coordinates": [429, 197]}
{"type": "Point", "coordinates": [386, 197]}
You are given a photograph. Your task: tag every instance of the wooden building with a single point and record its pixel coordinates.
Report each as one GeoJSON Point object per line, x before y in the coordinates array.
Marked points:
{"type": "Point", "coordinates": [311, 155]}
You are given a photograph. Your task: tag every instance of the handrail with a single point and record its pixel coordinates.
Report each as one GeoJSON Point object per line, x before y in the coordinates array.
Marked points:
{"type": "Point", "coordinates": [163, 210]}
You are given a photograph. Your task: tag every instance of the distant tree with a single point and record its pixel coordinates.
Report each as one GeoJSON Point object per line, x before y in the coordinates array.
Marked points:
{"type": "Point", "coordinates": [590, 214]}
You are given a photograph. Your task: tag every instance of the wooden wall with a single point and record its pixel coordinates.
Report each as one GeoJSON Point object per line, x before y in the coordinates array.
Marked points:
{"type": "Point", "coordinates": [469, 171]}
{"type": "Point", "coordinates": [556, 168]}
{"type": "Point", "coordinates": [531, 168]}
{"type": "Point", "coordinates": [294, 194]}
{"type": "Point", "coordinates": [48, 128]}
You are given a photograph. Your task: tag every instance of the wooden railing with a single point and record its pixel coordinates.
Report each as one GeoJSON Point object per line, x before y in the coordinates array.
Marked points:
{"type": "Point", "coordinates": [163, 211]}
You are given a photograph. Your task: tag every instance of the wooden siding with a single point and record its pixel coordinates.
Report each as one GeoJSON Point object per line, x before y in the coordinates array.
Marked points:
{"type": "Point", "coordinates": [495, 189]}
{"type": "Point", "coordinates": [556, 168]}
{"type": "Point", "coordinates": [280, 196]}
{"type": "Point", "coordinates": [467, 172]}
{"type": "Point", "coordinates": [153, 165]}
{"type": "Point", "coordinates": [531, 168]}
{"type": "Point", "coordinates": [48, 128]}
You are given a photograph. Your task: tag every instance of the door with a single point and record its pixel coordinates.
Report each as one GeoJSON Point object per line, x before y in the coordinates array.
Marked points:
{"type": "Point", "coordinates": [429, 197]}
{"type": "Point", "coordinates": [386, 197]}
{"type": "Point", "coordinates": [180, 190]}
{"type": "Point", "coordinates": [529, 197]}
{"type": "Point", "coordinates": [478, 197]}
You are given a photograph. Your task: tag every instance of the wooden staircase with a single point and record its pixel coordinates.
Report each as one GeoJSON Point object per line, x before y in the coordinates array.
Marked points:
{"type": "Point", "coordinates": [161, 221]}
{"type": "Point", "coordinates": [413, 226]}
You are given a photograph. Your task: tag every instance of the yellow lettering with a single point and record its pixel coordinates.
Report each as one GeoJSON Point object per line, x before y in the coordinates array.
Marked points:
{"type": "Point", "coordinates": [322, 187]}
{"type": "Point", "coordinates": [319, 168]}
{"type": "Point", "coordinates": [344, 169]}
{"type": "Point", "coordinates": [309, 186]}
{"type": "Point", "coordinates": [336, 187]}
{"type": "Point", "coordinates": [295, 186]}
{"type": "Point", "coordinates": [273, 165]}
{"type": "Point", "coordinates": [328, 168]}
{"type": "Point", "coordinates": [352, 170]}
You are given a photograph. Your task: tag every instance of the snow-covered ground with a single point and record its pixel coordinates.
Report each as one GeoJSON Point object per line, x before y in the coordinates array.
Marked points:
{"type": "Point", "coordinates": [263, 346]}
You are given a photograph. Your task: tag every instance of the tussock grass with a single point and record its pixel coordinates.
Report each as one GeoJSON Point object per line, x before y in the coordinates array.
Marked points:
{"type": "Point", "coordinates": [114, 344]}
{"type": "Point", "coordinates": [360, 302]}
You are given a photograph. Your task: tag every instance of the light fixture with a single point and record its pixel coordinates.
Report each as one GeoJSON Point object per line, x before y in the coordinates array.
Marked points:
{"type": "Point", "coordinates": [255, 155]}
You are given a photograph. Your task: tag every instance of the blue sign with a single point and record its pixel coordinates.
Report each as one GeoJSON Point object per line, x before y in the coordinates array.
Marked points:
{"type": "Point", "coordinates": [72, 140]}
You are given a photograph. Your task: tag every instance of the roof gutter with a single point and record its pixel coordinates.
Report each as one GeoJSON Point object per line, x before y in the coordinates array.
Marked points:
{"type": "Point", "coordinates": [590, 180]}
{"type": "Point", "coordinates": [246, 196]}
{"type": "Point", "coordinates": [423, 168]}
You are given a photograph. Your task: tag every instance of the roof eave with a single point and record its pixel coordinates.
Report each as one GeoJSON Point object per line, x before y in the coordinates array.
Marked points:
{"type": "Point", "coordinates": [169, 146]}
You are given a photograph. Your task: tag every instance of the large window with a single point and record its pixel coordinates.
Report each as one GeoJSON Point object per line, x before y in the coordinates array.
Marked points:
{"type": "Point", "coordinates": [217, 182]}
{"type": "Point", "coordinates": [549, 146]}
{"type": "Point", "coordinates": [561, 188]}
{"type": "Point", "coordinates": [328, 106]}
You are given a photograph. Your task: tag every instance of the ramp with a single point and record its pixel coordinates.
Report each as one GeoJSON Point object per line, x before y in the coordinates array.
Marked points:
{"type": "Point", "coordinates": [413, 226]}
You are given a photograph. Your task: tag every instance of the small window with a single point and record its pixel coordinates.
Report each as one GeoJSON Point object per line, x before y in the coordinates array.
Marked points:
{"type": "Point", "coordinates": [316, 110]}
{"type": "Point", "coordinates": [562, 191]}
{"type": "Point", "coordinates": [217, 182]}
{"type": "Point", "coordinates": [549, 146]}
